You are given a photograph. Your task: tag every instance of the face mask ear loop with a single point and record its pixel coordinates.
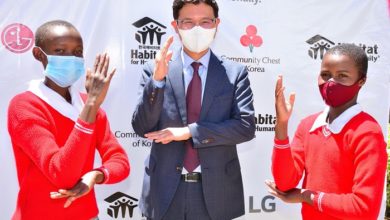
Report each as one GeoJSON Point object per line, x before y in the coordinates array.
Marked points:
{"type": "Point", "coordinates": [42, 51]}
{"type": "Point", "coordinates": [363, 78]}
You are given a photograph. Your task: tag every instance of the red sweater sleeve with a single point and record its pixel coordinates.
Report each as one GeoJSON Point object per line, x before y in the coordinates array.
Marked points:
{"type": "Point", "coordinates": [288, 162]}
{"type": "Point", "coordinates": [32, 132]}
{"type": "Point", "coordinates": [368, 183]}
{"type": "Point", "coordinates": [114, 159]}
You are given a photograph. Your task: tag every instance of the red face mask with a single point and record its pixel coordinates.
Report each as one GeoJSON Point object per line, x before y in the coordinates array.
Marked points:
{"type": "Point", "coordinates": [336, 94]}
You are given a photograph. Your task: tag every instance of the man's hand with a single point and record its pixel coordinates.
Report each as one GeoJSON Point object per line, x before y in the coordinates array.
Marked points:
{"type": "Point", "coordinates": [168, 135]}
{"type": "Point", "coordinates": [292, 196]}
{"type": "Point", "coordinates": [83, 187]}
{"type": "Point", "coordinates": [162, 60]}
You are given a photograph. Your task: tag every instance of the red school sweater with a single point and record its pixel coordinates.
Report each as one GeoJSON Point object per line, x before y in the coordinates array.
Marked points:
{"type": "Point", "coordinates": [346, 170]}
{"type": "Point", "coordinates": [52, 152]}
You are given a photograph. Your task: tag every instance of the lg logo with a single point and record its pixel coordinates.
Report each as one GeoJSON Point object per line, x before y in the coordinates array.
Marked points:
{"type": "Point", "coordinates": [265, 204]}
{"type": "Point", "coordinates": [17, 38]}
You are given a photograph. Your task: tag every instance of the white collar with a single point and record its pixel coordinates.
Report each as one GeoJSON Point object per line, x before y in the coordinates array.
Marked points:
{"type": "Point", "coordinates": [71, 111]}
{"type": "Point", "coordinates": [338, 123]}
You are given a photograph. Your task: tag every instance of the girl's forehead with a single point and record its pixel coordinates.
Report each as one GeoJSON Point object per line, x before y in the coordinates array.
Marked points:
{"type": "Point", "coordinates": [337, 59]}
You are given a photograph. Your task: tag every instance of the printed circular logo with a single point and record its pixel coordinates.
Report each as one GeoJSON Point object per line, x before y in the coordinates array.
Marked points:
{"type": "Point", "coordinates": [250, 38]}
{"type": "Point", "coordinates": [17, 38]}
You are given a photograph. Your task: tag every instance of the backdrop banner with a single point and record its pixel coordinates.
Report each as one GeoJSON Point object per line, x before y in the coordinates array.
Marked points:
{"type": "Point", "coordinates": [288, 37]}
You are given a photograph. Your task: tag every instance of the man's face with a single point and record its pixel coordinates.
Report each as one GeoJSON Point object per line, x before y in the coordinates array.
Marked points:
{"type": "Point", "coordinates": [200, 14]}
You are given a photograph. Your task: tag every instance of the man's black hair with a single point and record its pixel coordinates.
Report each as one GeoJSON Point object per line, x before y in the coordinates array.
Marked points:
{"type": "Point", "coordinates": [178, 5]}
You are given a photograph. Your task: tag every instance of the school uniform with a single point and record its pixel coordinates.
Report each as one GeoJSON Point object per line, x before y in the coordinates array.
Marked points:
{"type": "Point", "coordinates": [54, 148]}
{"type": "Point", "coordinates": [344, 162]}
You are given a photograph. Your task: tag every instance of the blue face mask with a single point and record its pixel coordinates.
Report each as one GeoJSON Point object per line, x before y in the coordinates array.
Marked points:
{"type": "Point", "coordinates": [64, 70]}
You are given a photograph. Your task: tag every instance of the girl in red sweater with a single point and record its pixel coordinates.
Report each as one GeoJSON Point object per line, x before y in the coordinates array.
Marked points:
{"type": "Point", "coordinates": [340, 152]}
{"type": "Point", "coordinates": [55, 132]}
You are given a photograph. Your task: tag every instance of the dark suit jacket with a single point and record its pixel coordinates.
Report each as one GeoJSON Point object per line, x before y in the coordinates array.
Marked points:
{"type": "Point", "coordinates": [226, 119]}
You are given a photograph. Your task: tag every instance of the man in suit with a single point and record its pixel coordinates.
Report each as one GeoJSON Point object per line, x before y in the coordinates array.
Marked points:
{"type": "Point", "coordinates": [196, 108]}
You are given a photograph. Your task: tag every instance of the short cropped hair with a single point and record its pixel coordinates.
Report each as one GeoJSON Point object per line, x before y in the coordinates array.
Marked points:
{"type": "Point", "coordinates": [356, 53]}
{"type": "Point", "coordinates": [178, 5]}
{"type": "Point", "coordinates": [44, 29]}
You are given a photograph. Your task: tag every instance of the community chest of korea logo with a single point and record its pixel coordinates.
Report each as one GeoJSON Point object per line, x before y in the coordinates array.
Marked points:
{"type": "Point", "coordinates": [251, 58]}
{"type": "Point", "coordinates": [17, 38]}
{"type": "Point", "coordinates": [250, 38]}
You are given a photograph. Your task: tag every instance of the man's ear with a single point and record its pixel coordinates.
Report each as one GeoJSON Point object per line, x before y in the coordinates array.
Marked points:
{"type": "Point", "coordinates": [174, 25]}
{"type": "Point", "coordinates": [217, 21]}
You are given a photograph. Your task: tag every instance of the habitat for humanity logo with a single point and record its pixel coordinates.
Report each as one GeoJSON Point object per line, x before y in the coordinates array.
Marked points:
{"type": "Point", "coordinates": [319, 45]}
{"type": "Point", "coordinates": [253, 63]}
{"type": "Point", "coordinates": [265, 122]}
{"type": "Point", "coordinates": [120, 203]}
{"type": "Point", "coordinates": [254, 2]}
{"type": "Point", "coordinates": [17, 38]}
{"type": "Point", "coordinates": [148, 35]}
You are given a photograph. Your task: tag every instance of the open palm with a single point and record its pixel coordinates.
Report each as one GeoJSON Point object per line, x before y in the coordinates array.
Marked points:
{"type": "Point", "coordinates": [283, 108]}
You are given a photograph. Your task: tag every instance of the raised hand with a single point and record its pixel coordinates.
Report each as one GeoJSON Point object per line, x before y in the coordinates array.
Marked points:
{"type": "Point", "coordinates": [283, 109]}
{"type": "Point", "coordinates": [98, 80]}
{"type": "Point", "coordinates": [96, 84]}
{"type": "Point", "coordinates": [162, 60]}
